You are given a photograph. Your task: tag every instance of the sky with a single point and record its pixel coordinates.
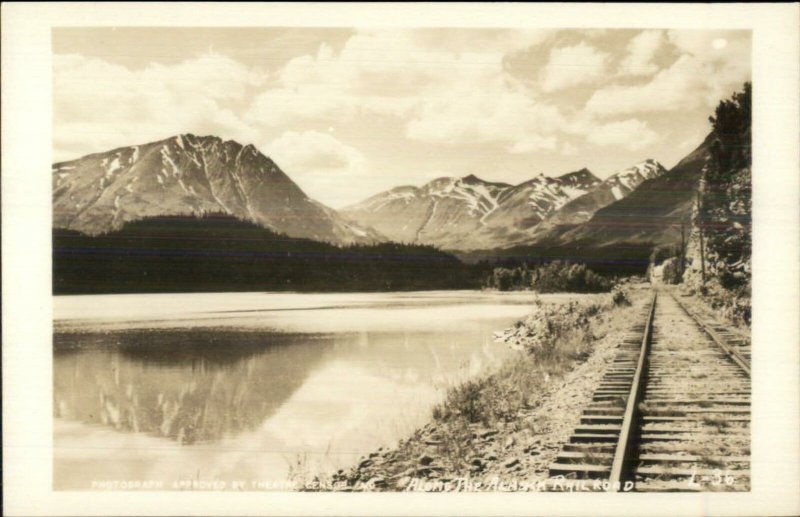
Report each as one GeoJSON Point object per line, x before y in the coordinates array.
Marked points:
{"type": "Point", "coordinates": [348, 113]}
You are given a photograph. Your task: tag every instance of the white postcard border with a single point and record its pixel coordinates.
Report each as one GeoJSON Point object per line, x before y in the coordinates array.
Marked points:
{"type": "Point", "coordinates": [27, 303]}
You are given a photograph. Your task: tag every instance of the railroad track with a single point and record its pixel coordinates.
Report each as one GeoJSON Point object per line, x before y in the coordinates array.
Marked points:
{"type": "Point", "coordinates": [732, 344]}
{"type": "Point", "coordinates": [672, 412]}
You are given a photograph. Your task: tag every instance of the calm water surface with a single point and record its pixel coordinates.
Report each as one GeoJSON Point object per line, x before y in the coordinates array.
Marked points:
{"type": "Point", "coordinates": [256, 386]}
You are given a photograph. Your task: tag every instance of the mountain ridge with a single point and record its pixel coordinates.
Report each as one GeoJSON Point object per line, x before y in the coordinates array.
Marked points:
{"type": "Point", "coordinates": [190, 174]}
{"type": "Point", "coordinates": [615, 187]}
{"type": "Point", "coordinates": [465, 213]}
{"type": "Point", "coordinates": [620, 236]}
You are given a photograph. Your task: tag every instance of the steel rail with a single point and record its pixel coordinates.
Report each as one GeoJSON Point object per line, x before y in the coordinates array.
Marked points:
{"type": "Point", "coordinates": [625, 445]}
{"type": "Point", "coordinates": [731, 352]}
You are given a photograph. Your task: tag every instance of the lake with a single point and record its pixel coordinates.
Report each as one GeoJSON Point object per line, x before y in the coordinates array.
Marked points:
{"type": "Point", "coordinates": [256, 388]}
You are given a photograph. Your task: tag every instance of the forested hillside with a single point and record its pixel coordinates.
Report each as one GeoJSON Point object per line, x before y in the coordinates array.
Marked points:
{"type": "Point", "coordinates": [720, 247]}
{"type": "Point", "coordinates": [222, 253]}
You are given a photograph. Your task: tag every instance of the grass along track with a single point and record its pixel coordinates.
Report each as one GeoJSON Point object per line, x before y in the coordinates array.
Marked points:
{"type": "Point", "coordinates": [672, 412]}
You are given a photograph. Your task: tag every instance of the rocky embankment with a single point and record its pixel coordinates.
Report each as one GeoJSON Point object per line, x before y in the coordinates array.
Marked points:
{"type": "Point", "coordinates": [512, 452]}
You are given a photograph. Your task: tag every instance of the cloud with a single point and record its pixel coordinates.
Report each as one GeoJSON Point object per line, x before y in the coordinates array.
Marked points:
{"type": "Point", "coordinates": [701, 75]}
{"type": "Point", "coordinates": [641, 51]}
{"type": "Point", "coordinates": [533, 143]}
{"type": "Point", "coordinates": [98, 105]}
{"type": "Point", "coordinates": [573, 66]}
{"type": "Point", "coordinates": [313, 151]}
{"type": "Point", "coordinates": [282, 106]}
{"type": "Point", "coordinates": [495, 113]}
{"type": "Point", "coordinates": [387, 72]}
{"type": "Point", "coordinates": [442, 89]}
{"type": "Point", "coordinates": [400, 91]}
{"type": "Point", "coordinates": [323, 166]}
{"type": "Point", "coordinates": [631, 134]}
{"type": "Point", "coordinates": [437, 86]}
{"type": "Point", "coordinates": [675, 88]}
{"type": "Point", "coordinates": [567, 149]}
{"type": "Point", "coordinates": [444, 86]}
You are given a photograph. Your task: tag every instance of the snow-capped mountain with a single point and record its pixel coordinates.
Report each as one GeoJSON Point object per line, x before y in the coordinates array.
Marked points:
{"type": "Point", "coordinates": [617, 235]}
{"type": "Point", "coordinates": [613, 188]}
{"type": "Point", "coordinates": [190, 174]}
{"type": "Point", "coordinates": [468, 213]}
{"type": "Point", "coordinates": [582, 179]}
{"type": "Point", "coordinates": [426, 214]}
{"type": "Point", "coordinates": [625, 181]}
{"type": "Point", "coordinates": [654, 203]}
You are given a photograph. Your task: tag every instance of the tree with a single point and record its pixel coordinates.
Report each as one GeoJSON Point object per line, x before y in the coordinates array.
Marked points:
{"type": "Point", "coordinates": [731, 121]}
{"type": "Point", "coordinates": [502, 279]}
{"type": "Point", "coordinates": [726, 215]}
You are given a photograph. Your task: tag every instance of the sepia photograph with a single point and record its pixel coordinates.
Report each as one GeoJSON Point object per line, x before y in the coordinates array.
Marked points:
{"type": "Point", "coordinates": [431, 259]}
{"type": "Point", "coordinates": [472, 224]}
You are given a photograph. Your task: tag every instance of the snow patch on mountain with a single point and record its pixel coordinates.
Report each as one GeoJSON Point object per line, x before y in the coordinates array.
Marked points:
{"type": "Point", "coordinates": [453, 212]}
{"type": "Point", "coordinates": [167, 159]}
{"type": "Point", "coordinates": [573, 192]}
{"type": "Point", "coordinates": [188, 174]}
{"type": "Point", "coordinates": [112, 167]}
{"type": "Point", "coordinates": [633, 176]}
{"type": "Point", "coordinates": [480, 198]}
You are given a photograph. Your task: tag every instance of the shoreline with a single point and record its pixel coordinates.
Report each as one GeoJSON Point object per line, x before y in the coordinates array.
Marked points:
{"type": "Point", "coordinates": [515, 448]}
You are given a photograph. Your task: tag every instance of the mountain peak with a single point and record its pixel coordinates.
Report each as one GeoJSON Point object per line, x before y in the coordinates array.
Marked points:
{"type": "Point", "coordinates": [191, 137]}
{"type": "Point", "coordinates": [581, 173]}
{"type": "Point", "coordinates": [188, 174]}
{"type": "Point", "coordinates": [648, 169]}
{"type": "Point", "coordinates": [624, 181]}
{"type": "Point", "coordinates": [472, 179]}
{"type": "Point", "coordinates": [582, 177]}
{"type": "Point", "coordinates": [182, 139]}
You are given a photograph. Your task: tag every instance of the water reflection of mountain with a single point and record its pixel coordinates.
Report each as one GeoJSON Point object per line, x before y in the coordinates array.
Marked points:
{"type": "Point", "coordinates": [202, 385]}
{"type": "Point", "coordinates": [184, 385]}
{"type": "Point", "coordinates": [423, 357]}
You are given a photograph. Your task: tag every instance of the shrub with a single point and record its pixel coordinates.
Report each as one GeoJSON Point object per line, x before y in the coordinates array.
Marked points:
{"type": "Point", "coordinates": [465, 400]}
{"type": "Point", "coordinates": [620, 296]}
{"type": "Point", "coordinates": [551, 324]}
{"type": "Point", "coordinates": [553, 277]}
{"type": "Point", "coordinates": [554, 335]}
{"type": "Point", "coordinates": [671, 272]}
{"type": "Point", "coordinates": [563, 276]}
{"type": "Point", "coordinates": [733, 304]}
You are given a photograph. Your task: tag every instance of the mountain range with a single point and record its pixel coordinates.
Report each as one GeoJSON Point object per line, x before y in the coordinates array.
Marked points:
{"type": "Point", "coordinates": [620, 236]}
{"type": "Point", "coordinates": [543, 216]}
{"type": "Point", "coordinates": [650, 214]}
{"type": "Point", "coordinates": [469, 213]}
{"type": "Point", "coordinates": [614, 188]}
